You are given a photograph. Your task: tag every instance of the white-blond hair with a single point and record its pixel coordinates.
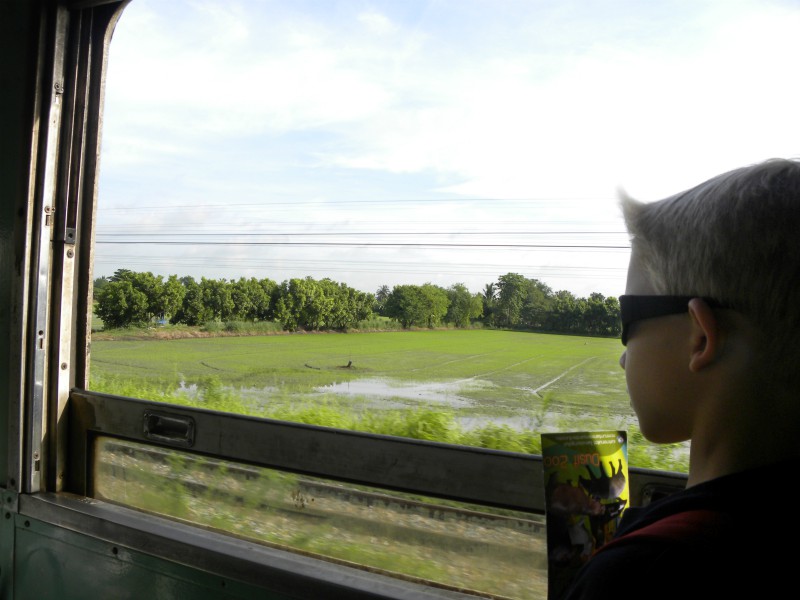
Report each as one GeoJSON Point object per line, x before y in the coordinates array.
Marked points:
{"type": "Point", "coordinates": [734, 238]}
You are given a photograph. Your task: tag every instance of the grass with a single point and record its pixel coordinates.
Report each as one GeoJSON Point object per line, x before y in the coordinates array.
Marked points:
{"type": "Point", "coordinates": [489, 388]}
{"type": "Point", "coordinates": [418, 539]}
{"type": "Point", "coordinates": [514, 363]}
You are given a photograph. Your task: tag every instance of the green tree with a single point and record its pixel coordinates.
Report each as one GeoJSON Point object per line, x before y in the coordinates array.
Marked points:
{"type": "Point", "coordinates": [423, 306]}
{"type": "Point", "coordinates": [312, 305]}
{"type": "Point", "coordinates": [463, 306]}
{"type": "Point", "coordinates": [298, 305]}
{"type": "Point", "coordinates": [265, 303]}
{"type": "Point", "coordinates": [522, 302]}
{"type": "Point", "coordinates": [120, 304]}
{"type": "Point", "coordinates": [250, 299]}
{"type": "Point", "coordinates": [476, 309]}
{"type": "Point", "coordinates": [380, 299]}
{"type": "Point", "coordinates": [170, 298]}
{"type": "Point", "coordinates": [121, 274]}
{"type": "Point", "coordinates": [488, 299]}
{"type": "Point", "coordinates": [405, 305]}
{"type": "Point", "coordinates": [536, 304]}
{"type": "Point", "coordinates": [595, 315]}
{"type": "Point", "coordinates": [613, 322]}
{"type": "Point", "coordinates": [436, 304]}
{"type": "Point", "coordinates": [350, 306]}
{"type": "Point", "coordinates": [363, 303]}
{"type": "Point", "coordinates": [192, 311]}
{"type": "Point", "coordinates": [511, 295]}
{"type": "Point", "coordinates": [565, 314]}
{"type": "Point", "coordinates": [216, 297]}
{"type": "Point", "coordinates": [335, 299]}
{"type": "Point", "coordinates": [161, 298]}
{"type": "Point", "coordinates": [98, 284]}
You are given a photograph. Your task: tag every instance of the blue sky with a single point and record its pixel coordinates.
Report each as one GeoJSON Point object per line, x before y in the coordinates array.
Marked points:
{"type": "Point", "coordinates": [492, 134]}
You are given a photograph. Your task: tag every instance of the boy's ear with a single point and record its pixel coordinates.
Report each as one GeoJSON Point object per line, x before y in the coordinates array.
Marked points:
{"type": "Point", "coordinates": [705, 335]}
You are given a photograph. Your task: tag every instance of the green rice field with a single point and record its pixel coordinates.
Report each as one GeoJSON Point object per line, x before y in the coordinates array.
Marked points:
{"type": "Point", "coordinates": [481, 387]}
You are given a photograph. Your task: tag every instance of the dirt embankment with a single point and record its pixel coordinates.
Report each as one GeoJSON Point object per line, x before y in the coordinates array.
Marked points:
{"type": "Point", "coordinates": [169, 333]}
{"type": "Point", "coordinates": [157, 333]}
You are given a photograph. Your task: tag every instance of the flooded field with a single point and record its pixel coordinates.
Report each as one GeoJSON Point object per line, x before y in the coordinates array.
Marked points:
{"type": "Point", "coordinates": [441, 385]}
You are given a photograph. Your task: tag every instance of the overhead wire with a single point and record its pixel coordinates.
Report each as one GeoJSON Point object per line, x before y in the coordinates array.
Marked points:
{"type": "Point", "coordinates": [467, 236]}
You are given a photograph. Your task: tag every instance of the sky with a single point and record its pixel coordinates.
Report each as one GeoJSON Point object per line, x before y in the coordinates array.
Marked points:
{"type": "Point", "coordinates": [445, 141]}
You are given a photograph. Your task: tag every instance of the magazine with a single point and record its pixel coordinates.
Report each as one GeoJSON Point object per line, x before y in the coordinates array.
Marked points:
{"type": "Point", "coordinates": [586, 491]}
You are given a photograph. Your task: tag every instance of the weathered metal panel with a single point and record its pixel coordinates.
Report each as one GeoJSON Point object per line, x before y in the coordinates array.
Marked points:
{"type": "Point", "coordinates": [167, 546]}
{"type": "Point", "coordinates": [52, 562]}
{"type": "Point", "coordinates": [19, 39]}
{"type": "Point", "coordinates": [8, 510]}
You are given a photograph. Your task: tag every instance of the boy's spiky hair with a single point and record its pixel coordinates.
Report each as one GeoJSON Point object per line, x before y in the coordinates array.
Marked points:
{"type": "Point", "coordinates": [735, 238]}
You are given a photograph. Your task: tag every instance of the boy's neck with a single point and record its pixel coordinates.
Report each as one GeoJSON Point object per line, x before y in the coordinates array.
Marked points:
{"type": "Point", "coordinates": [733, 441]}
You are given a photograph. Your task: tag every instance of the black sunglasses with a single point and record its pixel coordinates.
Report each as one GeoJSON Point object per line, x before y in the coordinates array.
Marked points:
{"type": "Point", "coordinates": [637, 308]}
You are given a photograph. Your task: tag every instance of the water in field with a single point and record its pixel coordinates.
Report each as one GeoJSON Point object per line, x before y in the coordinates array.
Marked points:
{"type": "Point", "coordinates": [448, 393]}
{"type": "Point", "coordinates": [473, 402]}
{"type": "Point", "coordinates": [471, 399]}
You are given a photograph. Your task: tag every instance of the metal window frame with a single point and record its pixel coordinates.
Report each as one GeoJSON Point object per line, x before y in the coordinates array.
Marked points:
{"type": "Point", "coordinates": [55, 253]}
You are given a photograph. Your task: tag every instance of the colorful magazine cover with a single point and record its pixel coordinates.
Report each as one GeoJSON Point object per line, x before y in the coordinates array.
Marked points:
{"type": "Point", "coordinates": [586, 491]}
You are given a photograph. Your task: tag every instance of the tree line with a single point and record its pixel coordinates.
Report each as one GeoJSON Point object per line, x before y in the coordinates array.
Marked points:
{"type": "Point", "coordinates": [129, 299]}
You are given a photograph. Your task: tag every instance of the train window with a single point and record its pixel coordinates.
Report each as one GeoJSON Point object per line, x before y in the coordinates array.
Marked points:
{"type": "Point", "coordinates": [425, 512]}
{"type": "Point", "coordinates": [411, 536]}
{"type": "Point", "coordinates": [315, 168]}
{"type": "Point", "coordinates": [385, 170]}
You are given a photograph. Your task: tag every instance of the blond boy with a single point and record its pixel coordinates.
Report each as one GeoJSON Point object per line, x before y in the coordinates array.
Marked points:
{"type": "Point", "coordinates": [711, 323]}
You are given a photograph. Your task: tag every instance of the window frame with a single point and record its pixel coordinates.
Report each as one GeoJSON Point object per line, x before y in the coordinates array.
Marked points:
{"type": "Point", "coordinates": [462, 473]}
{"type": "Point", "coordinates": [56, 419]}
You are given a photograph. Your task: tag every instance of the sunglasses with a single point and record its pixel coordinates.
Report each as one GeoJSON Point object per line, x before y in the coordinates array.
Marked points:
{"type": "Point", "coordinates": [638, 308]}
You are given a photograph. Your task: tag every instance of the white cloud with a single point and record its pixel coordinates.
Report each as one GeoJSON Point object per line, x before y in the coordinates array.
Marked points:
{"type": "Point", "coordinates": [605, 119]}
{"type": "Point", "coordinates": [377, 23]}
{"type": "Point", "coordinates": [515, 109]}
{"type": "Point", "coordinates": [485, 114]}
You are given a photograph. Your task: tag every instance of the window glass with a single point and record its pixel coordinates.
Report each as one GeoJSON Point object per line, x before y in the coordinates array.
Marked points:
{"type": "Point", "coordinates": [452, 545]}
{"type": "Point", "coordinates": [402, 216]}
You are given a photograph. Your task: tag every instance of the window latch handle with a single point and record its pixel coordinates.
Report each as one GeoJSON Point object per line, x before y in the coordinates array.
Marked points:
{"type": "Point", "coordinates": [172, 429]}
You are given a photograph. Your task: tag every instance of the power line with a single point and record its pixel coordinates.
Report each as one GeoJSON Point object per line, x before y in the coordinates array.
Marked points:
{"type": "Point", "coordinates": [186, 222]}
{"type": "Point", "coordinates": [342, 264]}
{"type": "Point", "coordinates": [336, 203]}
{"type": "Point", "coordinates": [538, 272]}
{"type": "Point", "coordinates": [366, 244]}
{"type": "Point", "coordinates": [362, 233]}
